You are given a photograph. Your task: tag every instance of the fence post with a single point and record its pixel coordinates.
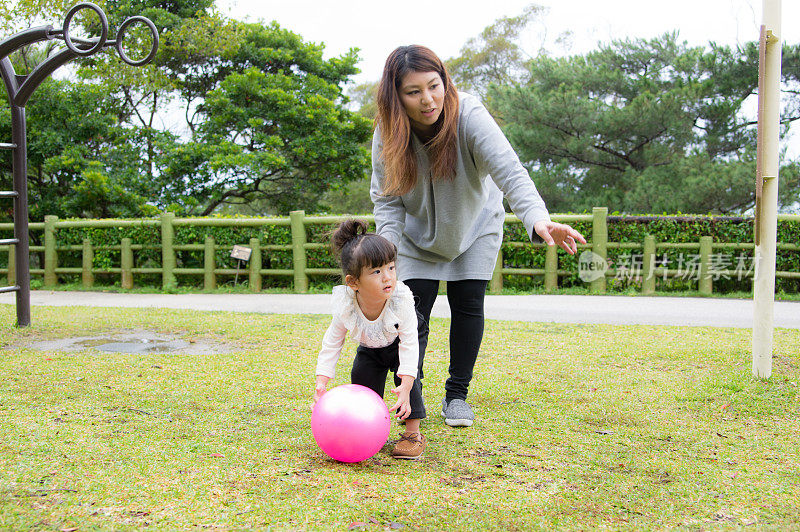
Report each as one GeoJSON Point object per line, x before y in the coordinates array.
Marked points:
{"type": "Point", "coordinates": [168, 280]}
{"type": "Point", "coordinates": [299, 250]}
{"type": "Point", "coordinates": [87, 261]}
{"type": "Point", "coordinates": [12, 265]}
{"type": "Point", "coordinates": [648, 265]}
{"type": "Point", "coordinates": [209, 264]}
{"type": "Point", "coordinates": [126, 263]}
{"type": "Point", "coordinates": [255, 265]}
{"type": "Point", "coordinates": [551, 268]}
{"type": "Point", "coordinates": [496, 284]}
{"type": "Point", "coordinates": [705, 285]}
{"type": "Point", "coordinates": [50, 257]}
{"type": "Point", "coordinates": [600, 243]}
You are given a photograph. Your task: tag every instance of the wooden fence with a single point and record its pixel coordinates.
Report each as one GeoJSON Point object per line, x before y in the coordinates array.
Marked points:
{"type": "Point", "coordinates": [299, 223]}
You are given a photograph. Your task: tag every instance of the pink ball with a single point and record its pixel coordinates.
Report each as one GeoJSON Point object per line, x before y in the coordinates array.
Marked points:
{"type": "Point", "coordinates": [350, 423]}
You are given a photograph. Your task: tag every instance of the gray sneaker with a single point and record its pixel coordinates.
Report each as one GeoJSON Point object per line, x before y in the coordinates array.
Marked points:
{"type": "Point", "coordinates": [457, 413]}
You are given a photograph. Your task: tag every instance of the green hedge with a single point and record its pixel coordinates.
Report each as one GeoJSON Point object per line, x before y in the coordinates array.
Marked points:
{"type": "Point", "coordinates": [681, 229]}
{"type": "Point", "coordinates": [224, 238]}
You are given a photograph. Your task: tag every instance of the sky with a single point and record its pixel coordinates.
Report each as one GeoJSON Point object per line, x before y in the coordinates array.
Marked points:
{"type": "Point", "coordinates": [377, 27]}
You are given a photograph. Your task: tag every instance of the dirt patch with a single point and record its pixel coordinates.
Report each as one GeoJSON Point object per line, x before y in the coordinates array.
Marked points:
{"type": "Point", "coordinates": [131, 341]}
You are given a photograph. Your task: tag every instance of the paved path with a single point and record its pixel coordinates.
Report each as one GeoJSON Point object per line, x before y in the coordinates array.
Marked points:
{"type": "Point", "coordinates": [539, 308]}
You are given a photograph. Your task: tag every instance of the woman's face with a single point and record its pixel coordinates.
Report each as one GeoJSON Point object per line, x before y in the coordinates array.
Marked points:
{"type": "Point", "coordinates": [422, 95]}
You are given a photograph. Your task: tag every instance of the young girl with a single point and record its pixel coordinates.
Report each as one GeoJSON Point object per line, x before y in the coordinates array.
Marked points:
{"type": "Point", "coordinates": [378, 311]}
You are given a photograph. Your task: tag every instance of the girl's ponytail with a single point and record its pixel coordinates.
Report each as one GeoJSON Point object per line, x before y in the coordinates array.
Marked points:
{"type": "Point", "coordinates": [357, 249]}
{"type": "Point", "coordinates": [346, 232]}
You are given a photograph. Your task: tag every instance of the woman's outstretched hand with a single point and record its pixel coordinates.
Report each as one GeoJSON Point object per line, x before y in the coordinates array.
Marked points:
{"type": "Point", "coordinates": [561, 234]}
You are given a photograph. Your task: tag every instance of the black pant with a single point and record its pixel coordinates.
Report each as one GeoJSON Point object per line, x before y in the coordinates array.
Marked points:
{"type": "Point", "coordinates": [371, 365]}
{"type": "Point", "coordinates": [466, 326]}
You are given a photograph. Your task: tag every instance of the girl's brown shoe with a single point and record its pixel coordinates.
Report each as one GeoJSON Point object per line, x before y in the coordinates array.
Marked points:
{"type": "Point", "coordinates": [410, 446]}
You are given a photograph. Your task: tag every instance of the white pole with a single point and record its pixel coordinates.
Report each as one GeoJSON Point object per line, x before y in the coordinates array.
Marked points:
{"type": "Point", "coordinates": [764, 285]}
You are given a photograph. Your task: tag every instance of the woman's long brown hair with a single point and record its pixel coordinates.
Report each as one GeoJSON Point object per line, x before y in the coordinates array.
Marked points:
{"type": "Point", "coordinates": [399, 159]}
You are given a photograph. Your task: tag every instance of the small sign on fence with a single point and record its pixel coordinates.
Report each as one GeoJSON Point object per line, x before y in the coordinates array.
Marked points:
{"type": "Point", "coordinates": [241, 254]}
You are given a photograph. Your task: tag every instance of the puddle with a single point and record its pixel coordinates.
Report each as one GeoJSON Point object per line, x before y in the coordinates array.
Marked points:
{"type": "Point", "coordinates": [134, 342]}
{"type": "Point", "coordinates": [143, 346]}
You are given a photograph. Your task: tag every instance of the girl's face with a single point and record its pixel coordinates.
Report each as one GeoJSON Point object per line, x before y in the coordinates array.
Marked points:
{"type": "Point", "coordinates": [375, 284]}
{"type": "Point", "coordinates": [422, 96]}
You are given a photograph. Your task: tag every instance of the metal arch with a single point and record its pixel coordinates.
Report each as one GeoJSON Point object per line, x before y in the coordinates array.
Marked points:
{"type": "Point", "coordinates": [19, 89]}
{"type": "Point", "coordinates": [23, 38]}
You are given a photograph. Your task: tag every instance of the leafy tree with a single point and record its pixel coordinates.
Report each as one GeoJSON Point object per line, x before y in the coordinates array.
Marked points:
{"type": "Point", "coordinates": [148, 92]}
{"type": "Point", "coordinates": [83, 153]}
{"type": "Point", "coordinates": [272, 126]}
{"type": "Point", "coordinates": [353, 197]}
{"type": "Point", "coordinates": [265, 117]}
{"type": "Point", "coordinates": [265, 122]}
{"type": "Point", "coordinates": [642, 126]}
{"type": "Point", "coordinates": [496, 56]}
{"type": "Point", "coordinates": [78, 161]}
{"type": "Point", "coordinates": [364, 96]}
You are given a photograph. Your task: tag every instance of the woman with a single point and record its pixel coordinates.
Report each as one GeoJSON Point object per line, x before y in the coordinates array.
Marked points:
{"type": "Point", "coordinates": [440, 169]}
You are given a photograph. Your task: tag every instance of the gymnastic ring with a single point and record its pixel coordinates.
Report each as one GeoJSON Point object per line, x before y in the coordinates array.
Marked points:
{"type": "Point", "coordinates": [121, 36]}
{"type": "Point", "coordinates": [103, 30]}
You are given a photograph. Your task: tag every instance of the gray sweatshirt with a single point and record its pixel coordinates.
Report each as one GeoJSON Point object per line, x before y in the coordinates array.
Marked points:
{"type": "Point", "coordinates": [452, 229]}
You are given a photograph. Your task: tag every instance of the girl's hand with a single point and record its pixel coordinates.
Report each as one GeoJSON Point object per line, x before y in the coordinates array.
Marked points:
{"type": "Point", "coordinates": [320, 387]}
{"type": "Point", "coordinates": [562, 234]}
{"type": "Point", "coordinates": [403, 404]}
{"type": "Point", "coordinates": [318, 393]}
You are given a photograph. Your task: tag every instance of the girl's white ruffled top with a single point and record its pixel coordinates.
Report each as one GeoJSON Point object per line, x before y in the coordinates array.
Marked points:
{"type": "Point", "coordinates": [398, 318]}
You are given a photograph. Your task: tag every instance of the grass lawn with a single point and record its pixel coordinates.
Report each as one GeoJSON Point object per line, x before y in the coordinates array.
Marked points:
{"type": "Point", "coordinates": [579, 428]}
